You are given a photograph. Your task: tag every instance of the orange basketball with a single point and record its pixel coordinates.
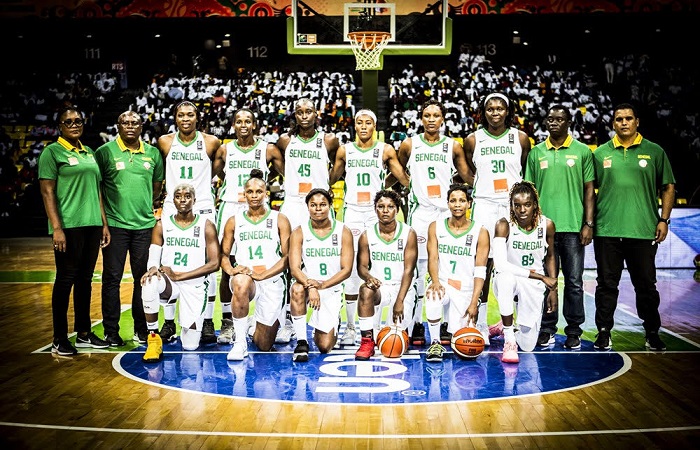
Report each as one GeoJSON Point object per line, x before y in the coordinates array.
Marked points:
{"type": "Point", "coordinates": [392, 341]}
{"type": "Point", "coordinates": [467, 342]}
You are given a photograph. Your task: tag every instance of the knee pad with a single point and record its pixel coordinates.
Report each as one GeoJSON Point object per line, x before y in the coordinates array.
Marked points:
{"type": "Point", "coordinates": [150, 294]}
{"type": "Point", "coordinates": [527, 338]}
{"type": "Point", "coordinates": [433, 309]}
{"type": "Point", "coordinates": [190, 338]}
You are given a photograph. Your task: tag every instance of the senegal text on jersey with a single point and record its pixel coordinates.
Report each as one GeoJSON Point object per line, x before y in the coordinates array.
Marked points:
{"type": "Point", "coordinates": [253, 235]}
{"type": "Point", "coordinates": [499, 150]}
{"type": "Point", "coordinates": [181, 242]}
{"type": "Point", "coordinates": [454, 250]}
{"type": "Point", "coordinates": [321, 252]}
{"type": "Point", "coordinates": [431, 157]}
{"type": "Point", "coordinates": [527, 245]}
{"type": "Point", "coordinates": [363, 163]}
{"type": "Point", "coordinates": [383, 256]}
{"type": "Point", "coordinates": [177, 156]}
{"type": "Point", "coordinates": [243, 164]}
{"type": "Point", "coordinates": [303, 153]}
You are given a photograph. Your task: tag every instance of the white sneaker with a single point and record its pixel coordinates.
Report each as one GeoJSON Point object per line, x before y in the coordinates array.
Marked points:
{"type": "Point", "coordinates": [349, 336]}
{"type": "Point", "coordinates": [227, 335]}
{"type": "Point", "coordinates": [285, 334]}
{"type": "Point", "coordinates": [484, 330]}
{"type": "Point", "coordinates": [238, 352]}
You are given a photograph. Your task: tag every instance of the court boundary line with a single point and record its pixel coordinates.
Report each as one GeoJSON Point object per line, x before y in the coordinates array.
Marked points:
{"type": "Point", "coordinates": [353, 436]}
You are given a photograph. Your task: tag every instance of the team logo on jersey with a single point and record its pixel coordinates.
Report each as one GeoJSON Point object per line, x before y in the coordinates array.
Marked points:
{"type": "Point", "coordinates": [540, 232]}
{"type": "Point", "coordinates": [199, 145]}
{"type": "Point", "coordinates": [258, 153]}
{"type": "Point", "coordinates": [196, 232]}
{"type": "Point", "coordinates": [445, 147]}
{"type": "Point", "coordinates": [268, 223]}
{"type": "Point", "coordinates": [319, 143]}
{"type": "Point", "coordinates": [334, 240]}
{"type": "Point", "coordinates": [376, 152]}
{"type": "Point", "coordinates": [643, 163]}
{"type": "Point", "coordinates": [607, 163]}
{"type": "Point", "coordinates": [470, 238]}
{"type": "Point", "coordinates": [511, 138]}
{"type": "Point", "coordinates": [570, 162]}
{"type": "Point", "coordinates": [399, 244]}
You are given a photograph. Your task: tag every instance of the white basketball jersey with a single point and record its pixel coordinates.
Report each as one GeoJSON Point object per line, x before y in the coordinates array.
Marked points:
{"type": "Point", "coordinates": [305, 165]}
{"type": "Point", "coordinates": [527, 249]}
{"type": "Point", "coordinates": [456, 255]}
{"type": "Point", "coordinates": [190, 163]}
{"type": "Point", "coordinates": [257, 243]}
{"type": "Point", "coordinates": [498, 164]}
{"type": "Point", "coordinates": [431, 168]}
{"type": "Point", "coordinates": [321, 255]}
{"type": "Point", "coordinates": [239, 163]}
{"type": "Point", "coordinates": [387, 257]}
{"type": "Point", "coordinates": [364, 173]}
{"type": "Point", "coordinates": [184, 249]}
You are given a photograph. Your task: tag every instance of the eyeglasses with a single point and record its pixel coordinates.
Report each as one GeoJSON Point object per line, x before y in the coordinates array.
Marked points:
{"type": "Point", "coordinates": [133, 124]}
{"type": "Point", "coordinates": [68, 123]}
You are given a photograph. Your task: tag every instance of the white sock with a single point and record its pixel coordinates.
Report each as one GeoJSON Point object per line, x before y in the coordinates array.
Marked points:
{"type": "Point", "coordinates": [483, 312]}
{"type": "Point", "coordinates": [366, 323]}
{"type": "Point", "coordinates": [351, 311]}
{"type": "Point", "coordinates": [209, 310]}
{"type": "Point", "coordinates": [299, 323]}
{"type": "Point", "coordinates": [240, 326]}
{"type": "Point", "coordinates": [509, 333]}
{"type": "Point", "coordinates": [169, 311]}
{"type": "Point", "coordinates": [434, 329]}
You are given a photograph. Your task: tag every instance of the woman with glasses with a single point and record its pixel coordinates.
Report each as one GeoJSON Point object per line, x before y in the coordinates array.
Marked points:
{"type": "Point", "coordinates": [69, 179]}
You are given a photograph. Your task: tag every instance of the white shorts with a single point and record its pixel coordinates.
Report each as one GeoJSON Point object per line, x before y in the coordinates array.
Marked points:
{"type": "Point", "coordinates": [226, 211]}
{"type": "Point", "coordinates": [531, 297]}
{"type": "Point", "coordinates": [357, 219]}
{"type": "Point", "coordinates": [192, 300]}
{"type": "Point", "coordinates": [388, 294]}
{"type": "Point", "coordinates": [420, 219]}
{"type": "Point", "coordinates": [458, 300]}
{"type": "Point", "coordinates": [296, 210]}
{"type": "Point", "coordinates": [487, 213]}
{"type": "Point", "coordinates": [326, 318]}
{"type": "Point", "coordinates": [270, 298]}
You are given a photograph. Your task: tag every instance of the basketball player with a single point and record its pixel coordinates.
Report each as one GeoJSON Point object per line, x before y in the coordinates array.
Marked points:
{"type": "Point", "coordinates": [386, 262]}
{"type": "Point", "coordinates": [320, 259]}
{"type": "Point", "coordinates": [233, 164]}
{"type": "Point", "coordinates": [525, 266]}
{"type": "Point", "coordinates": [363, 163]}
{"type": "Point", "coordinates": [458, 249]}
{"type": "Point", "coordinates": [184, 251]}
{"type": "Point", "coordinates": [431, 160]}
{"type": "Point", "coordinates": [306, 153]}
{"type": "Point", "coordinates": [496, 154]}
{"type": "Point", "coordinates": [259, 238]}
{"type": "Point", "coordinates": [188, 156]}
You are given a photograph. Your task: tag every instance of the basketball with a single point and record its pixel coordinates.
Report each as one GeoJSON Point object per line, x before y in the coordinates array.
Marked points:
{"type": "Point", "coordinates": [392, 341]}
{"type": "Point", "coordinates": [467, 342]}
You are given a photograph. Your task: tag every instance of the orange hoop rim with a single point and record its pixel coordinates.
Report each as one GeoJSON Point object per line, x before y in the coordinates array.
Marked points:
{"type": "Point", "coordinates": [369, 39]}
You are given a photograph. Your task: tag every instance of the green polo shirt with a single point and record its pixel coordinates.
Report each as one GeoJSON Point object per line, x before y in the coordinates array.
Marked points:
{"type": "Point", "coordinates": [559, 175]}
{"type": "Point", "coordinates": [127, 183]}
{"type": "Point", "coordinates": [628, 179]}
{"type": "Point", "coordinates": [77, 179]}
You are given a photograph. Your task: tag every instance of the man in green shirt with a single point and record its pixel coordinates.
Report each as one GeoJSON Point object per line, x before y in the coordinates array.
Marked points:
{"type": "Point", "coordinates": [630, 170]}
{"type": "Point", "coordinates": [561, 168]}
{"type": "Point", "coordinates": [132, 177]}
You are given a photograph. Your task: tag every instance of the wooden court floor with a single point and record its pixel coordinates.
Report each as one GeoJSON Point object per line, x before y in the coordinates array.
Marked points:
{"type": "Point", "coordinates": [82, 402]}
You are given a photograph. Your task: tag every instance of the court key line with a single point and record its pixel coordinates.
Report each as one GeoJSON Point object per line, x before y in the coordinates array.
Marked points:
{"type": "Point", "coordinates": [353, 436]}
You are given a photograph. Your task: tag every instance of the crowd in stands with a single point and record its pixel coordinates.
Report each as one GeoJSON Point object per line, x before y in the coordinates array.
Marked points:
{"type": "Point", "coordinates": [667, 94]}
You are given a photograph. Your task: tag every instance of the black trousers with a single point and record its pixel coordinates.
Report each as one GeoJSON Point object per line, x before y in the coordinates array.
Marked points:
{"type": "Point", "coordinates": [74, 270]}
{"type": "Point", "coordinates": [639, 254]}
{"type": "Point", "coordinates": [136, 243]}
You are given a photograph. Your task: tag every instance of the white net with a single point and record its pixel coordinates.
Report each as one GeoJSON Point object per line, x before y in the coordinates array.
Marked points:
{"type": "Point", "coordinates": [367, 47]}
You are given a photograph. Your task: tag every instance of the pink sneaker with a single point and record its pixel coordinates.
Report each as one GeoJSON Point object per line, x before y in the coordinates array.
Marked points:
{"type": "Point", "coordinates": [496, 330]}
{"type": "Point", "coordinates": [510, 353]}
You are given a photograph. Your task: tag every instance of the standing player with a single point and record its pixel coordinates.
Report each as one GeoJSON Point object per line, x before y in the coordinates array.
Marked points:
{"type": "Point", "coordinates": [306, 153]}
{"type": "Point", "coordinates": [259, 238]}
{"type": "Point", "coordinates": [233, 163]}
{"type": "Point", "coordinates": [386, 262]}
{"type": "Point", "coordinates": [458, 249]}
{"type": "Point", "coordinates": [184, 251]}
{"type": "Point", "coordinates": [496, 154]}
{"type": "Point", "coordinates": [363, 163]}
{"type": "Point", "coordinates": [320, 259]}
{"type": "Point", "coordinates": [188, 156]}
{"type": "Point", "coordinates": [524, 256]}
{"type": "Point", "coordinates": [561, 168]}
{"type": "Point", "coordinates": [431, 160]}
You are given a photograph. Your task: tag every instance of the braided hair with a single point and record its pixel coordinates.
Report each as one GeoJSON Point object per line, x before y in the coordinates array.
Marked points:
{"type": "Point", "coordinates": [526, 187]}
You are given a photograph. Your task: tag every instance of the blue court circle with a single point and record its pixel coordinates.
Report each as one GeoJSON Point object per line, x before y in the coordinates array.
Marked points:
{"type": "Point", "coordinates": [338, 378]}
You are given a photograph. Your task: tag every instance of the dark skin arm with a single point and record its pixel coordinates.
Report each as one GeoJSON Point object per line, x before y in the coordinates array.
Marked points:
{"type": "Point", "coordinates": [550, 267]}
{"type": "Point", "coordinates": [469, 146]}
{"type": "Point", "coordinates": [275, 159]}
{"type": "Point", "coordinates": [435, 287]}
{"type": "Point", "coordinates": [668, 197]}
{"type": "Point", "coordinates": [482, 256]}
{"type": "Point", "coordinates": [586, 235]}
{"type": "Point", "coordinates": [338, 168]}
{"type": "Point", "coordinates": [391, 160]}
{"type": "Point", "coordinates": [460, 162]}
{"type": "Point", "coordinates": [48, 195]}
{"type": "Point", "coordinates": [410, 259]}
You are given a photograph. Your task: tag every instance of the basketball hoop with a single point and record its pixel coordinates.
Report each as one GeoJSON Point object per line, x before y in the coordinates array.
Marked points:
{"type": "Point", "coordinates": [367, 47]}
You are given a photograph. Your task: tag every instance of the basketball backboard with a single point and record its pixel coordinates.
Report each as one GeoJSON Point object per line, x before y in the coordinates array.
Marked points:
{"type": "Point", "coordinates": [417, 27]}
